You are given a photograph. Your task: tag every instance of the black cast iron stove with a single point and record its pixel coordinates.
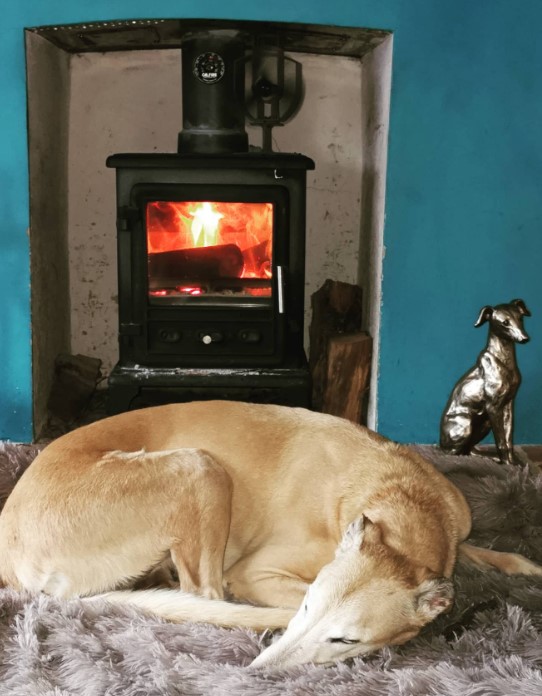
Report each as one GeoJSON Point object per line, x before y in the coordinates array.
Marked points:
{"type": "Point", "coordinates": [211, 252]}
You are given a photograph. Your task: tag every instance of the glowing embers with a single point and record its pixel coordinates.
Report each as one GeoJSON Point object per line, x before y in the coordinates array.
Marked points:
{"type": "Point", "coordinates": [209, 248]}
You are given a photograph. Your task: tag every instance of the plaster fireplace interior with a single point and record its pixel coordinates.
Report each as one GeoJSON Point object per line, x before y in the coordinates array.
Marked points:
{"type": "Point", "coordinates": [104, 88]}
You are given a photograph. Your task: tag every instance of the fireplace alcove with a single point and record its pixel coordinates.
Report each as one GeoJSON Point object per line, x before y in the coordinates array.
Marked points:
{"type": "Point", "coordinates": [102, 88]}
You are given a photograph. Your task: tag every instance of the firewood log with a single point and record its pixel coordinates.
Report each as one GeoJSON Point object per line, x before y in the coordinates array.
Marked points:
{"type": "Point", "coordinates": [168, 268]}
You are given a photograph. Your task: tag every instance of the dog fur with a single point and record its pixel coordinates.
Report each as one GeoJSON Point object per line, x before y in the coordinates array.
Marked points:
{"type": "Point", "coordinates": [308, 521]}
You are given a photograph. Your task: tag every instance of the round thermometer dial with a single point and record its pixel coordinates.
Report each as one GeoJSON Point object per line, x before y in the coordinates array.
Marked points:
{"type": "Point", "coordinates": [209, 68]}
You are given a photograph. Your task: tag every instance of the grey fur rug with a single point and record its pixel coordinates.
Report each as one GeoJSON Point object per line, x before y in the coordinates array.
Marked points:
{"type": "Point", "coordinates": [490, 644]}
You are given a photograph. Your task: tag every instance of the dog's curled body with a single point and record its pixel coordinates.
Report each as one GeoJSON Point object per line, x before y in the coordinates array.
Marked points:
{"type": "Point", "coordinates": [257, 500]}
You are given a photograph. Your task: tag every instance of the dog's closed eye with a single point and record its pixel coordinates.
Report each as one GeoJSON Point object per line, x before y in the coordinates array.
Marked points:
{"type": "Point", "coordinates": [346, 641]}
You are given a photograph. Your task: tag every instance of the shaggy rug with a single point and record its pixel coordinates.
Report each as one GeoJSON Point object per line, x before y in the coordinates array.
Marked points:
{"type": "Point", "coordinates": [490, 644]}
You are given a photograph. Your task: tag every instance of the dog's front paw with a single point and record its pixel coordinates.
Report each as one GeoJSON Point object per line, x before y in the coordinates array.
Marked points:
{"type": "Point", "coordinates": [211, 592]}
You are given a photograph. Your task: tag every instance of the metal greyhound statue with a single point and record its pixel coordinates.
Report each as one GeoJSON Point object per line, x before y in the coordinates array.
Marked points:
{"type": "Point", "coordinates": [482, 400]}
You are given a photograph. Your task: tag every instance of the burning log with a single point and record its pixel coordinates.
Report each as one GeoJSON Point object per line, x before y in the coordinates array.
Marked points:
{"type": "Point", "coordinates": [257, 259]}
{"type": "Point", "coordinates": [167, 268]}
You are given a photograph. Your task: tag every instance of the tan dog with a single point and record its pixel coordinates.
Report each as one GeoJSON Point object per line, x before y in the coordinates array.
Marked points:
{"type": "Point", "coordinates": [259, 500]}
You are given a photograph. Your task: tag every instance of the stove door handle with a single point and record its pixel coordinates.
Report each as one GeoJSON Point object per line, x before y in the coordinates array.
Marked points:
{"type": "Point", "coordinates": [280, 289]}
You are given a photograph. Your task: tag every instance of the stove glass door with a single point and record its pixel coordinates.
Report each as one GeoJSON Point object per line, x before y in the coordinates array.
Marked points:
{"type": "Point", "coordinates": [213, 252]}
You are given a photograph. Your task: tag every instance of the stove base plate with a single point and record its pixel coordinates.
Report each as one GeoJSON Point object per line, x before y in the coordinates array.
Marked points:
{"type": "Point", "coordinates": [136, 386]}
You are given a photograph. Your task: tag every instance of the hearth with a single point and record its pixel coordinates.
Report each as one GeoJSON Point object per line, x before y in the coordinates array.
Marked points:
{"type": "Point", "coordinates": [211, 251]}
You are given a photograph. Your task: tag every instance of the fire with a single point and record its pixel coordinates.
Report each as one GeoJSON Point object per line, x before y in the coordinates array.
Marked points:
{"type": "Point", "coordinates": [204, 227]}
{"type": "Point", "coordinates": [184, 225]}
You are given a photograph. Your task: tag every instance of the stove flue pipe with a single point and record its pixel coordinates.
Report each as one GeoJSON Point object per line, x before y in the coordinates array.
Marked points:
{"type": "Point", "coordinates": [213, 93]}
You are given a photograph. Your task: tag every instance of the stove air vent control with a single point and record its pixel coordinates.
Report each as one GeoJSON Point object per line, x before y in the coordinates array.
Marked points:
{"type": "Point", "coordinates": [249, 336]}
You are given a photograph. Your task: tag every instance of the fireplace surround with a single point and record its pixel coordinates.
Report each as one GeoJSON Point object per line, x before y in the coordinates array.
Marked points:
{"type": "Point", "coordinates": [119, 92]}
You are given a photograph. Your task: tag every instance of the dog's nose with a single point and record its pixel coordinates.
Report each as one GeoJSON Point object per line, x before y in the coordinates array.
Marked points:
{"type": "Point", "coordinates": [524, 339]}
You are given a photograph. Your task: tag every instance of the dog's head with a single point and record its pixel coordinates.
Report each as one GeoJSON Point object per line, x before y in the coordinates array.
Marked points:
{"type": "Point", "coordinates": [506, 320]}
{"type": "Point", "coordinates": [366, 598]}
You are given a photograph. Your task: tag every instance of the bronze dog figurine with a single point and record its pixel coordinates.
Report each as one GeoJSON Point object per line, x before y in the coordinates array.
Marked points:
{"type": "Point", "coordinates": [483, 399]}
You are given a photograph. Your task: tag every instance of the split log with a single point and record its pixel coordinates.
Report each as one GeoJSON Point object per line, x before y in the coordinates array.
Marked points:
{"type": "Point", "coordinates": [348, 376]}
{"type": "Point", "coordinates": [75, 381]}
{"type": "Point", "coordinates": [336, 310]}
{"type": "Point", "coordinates": [340, 353]}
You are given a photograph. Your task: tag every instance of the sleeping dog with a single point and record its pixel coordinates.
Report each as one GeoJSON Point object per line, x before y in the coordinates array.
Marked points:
{"type": "Point", "coordinates": [310, 522]}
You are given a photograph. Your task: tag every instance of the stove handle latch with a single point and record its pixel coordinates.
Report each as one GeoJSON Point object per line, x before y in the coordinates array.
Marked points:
{"type": "Point", "coordinates": [280, 289]}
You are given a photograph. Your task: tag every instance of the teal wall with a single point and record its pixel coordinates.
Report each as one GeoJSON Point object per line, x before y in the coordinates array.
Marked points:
{"type": "Point", "coordinates": [464, 195]}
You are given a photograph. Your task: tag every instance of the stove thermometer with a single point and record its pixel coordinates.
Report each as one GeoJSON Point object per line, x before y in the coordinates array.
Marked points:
{"type": "Point", "coordinates": [209, 68]}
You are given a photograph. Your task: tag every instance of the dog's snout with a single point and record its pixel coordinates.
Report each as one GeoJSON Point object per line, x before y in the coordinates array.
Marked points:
{"type": "Point", "coordinates": [517, 333]}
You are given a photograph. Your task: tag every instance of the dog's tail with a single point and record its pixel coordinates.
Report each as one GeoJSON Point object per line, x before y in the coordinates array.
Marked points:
{"type": "Point", "coordinates": [509, 563]}
{"type": "Point", "coordinates": [179, 606]}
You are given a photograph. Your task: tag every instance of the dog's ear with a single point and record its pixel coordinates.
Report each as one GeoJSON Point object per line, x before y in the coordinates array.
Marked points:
{"type": "Point", "coordinates": [359, 531]}
{"type": "Point", "coordinates": [520, 304]}
{"type": "Point", "coordinates": [485, 315]}
{"type": "Point", "coordinates": [434, 597]}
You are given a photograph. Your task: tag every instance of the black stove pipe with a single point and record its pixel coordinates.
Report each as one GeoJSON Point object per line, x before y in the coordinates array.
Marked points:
{"type": "Point", "coordinates": [213, 93]}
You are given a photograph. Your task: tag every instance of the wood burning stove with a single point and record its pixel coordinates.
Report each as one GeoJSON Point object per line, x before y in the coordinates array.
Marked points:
{"type": "Point", "coordinates": [211, 253]}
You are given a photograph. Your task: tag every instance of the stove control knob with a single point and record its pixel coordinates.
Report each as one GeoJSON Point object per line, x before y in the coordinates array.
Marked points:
{"type": "Point", "coordinates": [211, 337]}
